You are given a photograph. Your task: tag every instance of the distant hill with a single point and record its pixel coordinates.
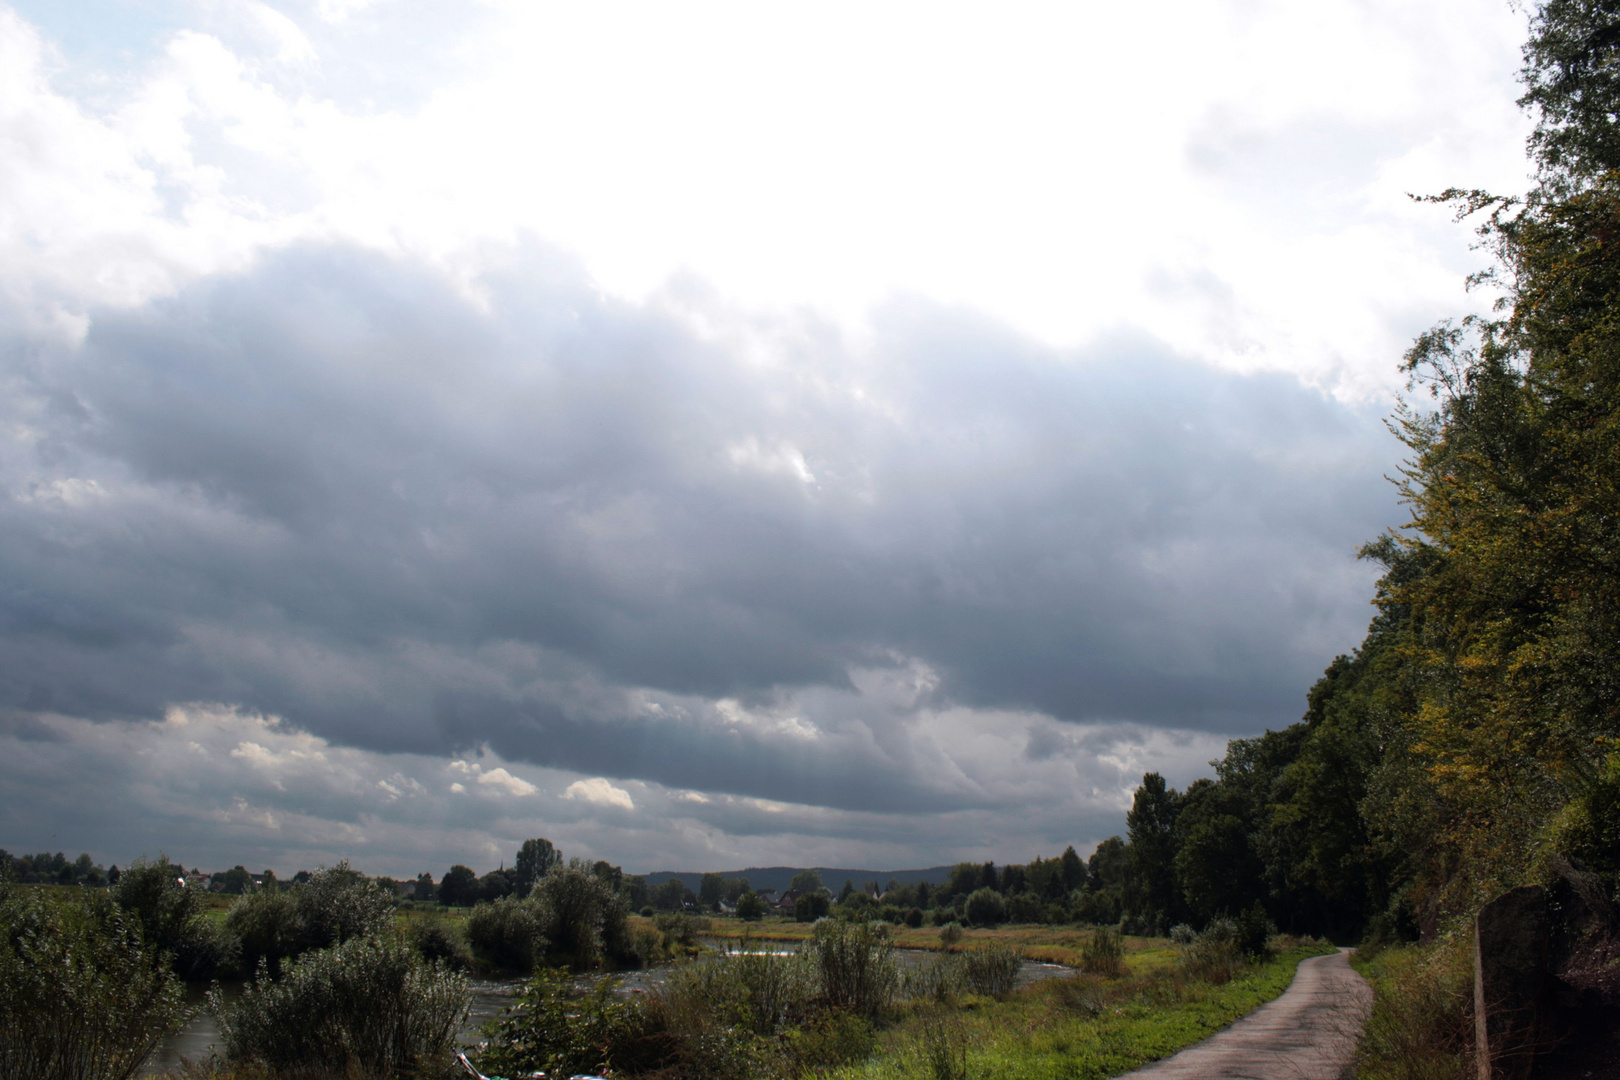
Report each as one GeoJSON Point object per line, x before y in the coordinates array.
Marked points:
{"type": "Point", "coordinates": [777, 877]}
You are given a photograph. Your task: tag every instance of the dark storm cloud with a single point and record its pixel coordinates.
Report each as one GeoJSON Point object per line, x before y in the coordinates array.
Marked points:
{"type": "Point", "coordinates": [339, 490]}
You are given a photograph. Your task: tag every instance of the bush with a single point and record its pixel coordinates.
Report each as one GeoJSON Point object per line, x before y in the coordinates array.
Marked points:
{"type": "Point", "coordinates": [337, 904]}
{"type": "Point", "coordinates": [830, 1041]}
{"type": "Point", "coordinates": [811, 906]}
{"type": "Point", "coordinates": [950, 934]}
{"type": "Point", "coordinates": [82, 995]}
{"type": "Point", "coordinates": [438, 939]}
{"type": "Point", "coordinates": [985, 907]}
{"type": "Point", "coordinates": [583, 917]}
{"type": "Point", "coordinates": [856, 965]}
{"type": "Point", "coordinates": [1253, 931]}
{"type": "Point", "coordinates": [762, 992]}
{"type": "Point", "coordinates": [992, 970]}
{"type": "Point", "coordinates": [1422, 1023]}
{"type": "Point", "coordinates": [369, 1005]}
{"type": "Point", "coordinates": [508, 934]}
{"type": "Point", "coordinates": [268, 926]}
{"type": "Point", "coordinates": [554, 1030]}
{"type": "Point", "coordinates": [1183, 934]}
{"type": "Point", "coordinates": [170, 918]}
{"type": "Point", "coordinates": [938, 978]}
{"type": "Point", "coordinates": [1103, 954]}
{"type": "Point", "coordinates": [914, 918]}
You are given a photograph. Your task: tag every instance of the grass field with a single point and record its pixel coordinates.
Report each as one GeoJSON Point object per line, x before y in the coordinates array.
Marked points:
{"type": "Point", "coordinates": [1047, 944]}
{"type": "Point", "coordinates": [1085, 1028]}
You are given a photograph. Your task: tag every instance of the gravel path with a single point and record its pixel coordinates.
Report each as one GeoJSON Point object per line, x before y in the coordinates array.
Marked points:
{"type": "Point", "coordinates": [1309, 1033]}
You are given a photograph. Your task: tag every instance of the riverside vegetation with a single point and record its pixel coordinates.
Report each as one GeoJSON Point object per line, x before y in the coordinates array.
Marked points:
{"type": "Point", "coordinates": [348, 986]}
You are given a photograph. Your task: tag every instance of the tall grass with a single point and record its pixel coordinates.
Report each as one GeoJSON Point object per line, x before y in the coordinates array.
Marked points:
{"type": "Point", "coordinates": [1103, 954]}
{"type": "Point", "coordinates": [82, 995]}
{"type": "Point", "coordinates": [370, 1007]}
{"type": "Point", "coordinates": [1422, 1023]}
{"type": "Point", "coordinates": [856, 964]}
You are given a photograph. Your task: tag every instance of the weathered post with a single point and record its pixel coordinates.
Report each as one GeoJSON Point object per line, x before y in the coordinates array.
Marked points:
{"type": "Point", "coordinates": [1510, 980]}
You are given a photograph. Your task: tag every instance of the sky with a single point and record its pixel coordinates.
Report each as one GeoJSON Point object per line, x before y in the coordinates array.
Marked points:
{"type": "Point", "coordinates": [704, 435]}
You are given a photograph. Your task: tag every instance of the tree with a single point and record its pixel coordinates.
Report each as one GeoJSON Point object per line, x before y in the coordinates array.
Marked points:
{"type": "Point", "coordinates": [671, 895]}
{"type": "Point", "coordinates": [458, 887]}
{"type": "Point", "coordinates": [534, 858]}
{"type": "Point", "coordinates": [1074, 869]}
{"type": "Point", "coordinates": [584, 917]}
{"type": "Point", "coordinates": [711, 891]}
{"type": "Point", "coordinates": [1150, 892]}
{"type": "Point", "coordinates": [812, 906]}
{"type": "Point", "coordinates": [750, 908]}
{"type": "Point", "coordinates": [425, 889]}
{"type": "Point", "coordinates": [985, 907]}
{"type": "Point", "coordinates": [805, 881]}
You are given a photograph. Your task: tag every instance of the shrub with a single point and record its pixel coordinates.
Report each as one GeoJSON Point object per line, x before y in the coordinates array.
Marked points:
{"type": "Point", "coordinates": [1252, 931]}
{"type": "Point", "coordinates": [1183, 934]}
{"type": "Point", "coordinates": [856, 965]}
{"type": "Point", "coordinates": [1103, 954]}
{"type": "Point", "coordinates": [762, 992]}
{"type": "Point", "coordinates": [268, 926]}
{"type": "Point", "coordinates": [832, 1040]}
{"type": "Point", "coordinates": [82, 995]}
{"type": "Point", "coordinates": [507, 934]}
{"type": "Point", "coordinates": [992, 970]}
{"type": "Point", "coordinates": [438, 939]}
{"type": "Point", "coordinates": [337, 904]}
{"type": "Point", "coordinates": [170, 918]}
{"type": "Point", "coordinates": [914, 918]}
{"type": "Point", "coordinates": [985, 907]}
{"type": "Point", "coordinates": [942, 1046]}
{"type": "Point", "coordinates": [369, 1005]}
{"type": "Point", "coordinates": [938, 978]}
{"type": "Point", "coordinates": [582, 916]}
{"type": "Point", "coordinates": [1422, 1023]}
{"type": "Point", "coordinates": [554, 1030]}
{"type": "Point", "coordinates": [950, 934]}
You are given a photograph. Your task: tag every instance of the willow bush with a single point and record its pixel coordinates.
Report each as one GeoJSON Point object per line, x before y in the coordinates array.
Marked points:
{"type": "Point", "coordinates": [370, 1006]}
{"type": "Point", "coordinates": [82, 995]}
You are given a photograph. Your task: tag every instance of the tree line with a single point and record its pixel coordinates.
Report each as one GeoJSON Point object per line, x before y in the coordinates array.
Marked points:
{"type": "Point", "coordinates": [1471, 743]}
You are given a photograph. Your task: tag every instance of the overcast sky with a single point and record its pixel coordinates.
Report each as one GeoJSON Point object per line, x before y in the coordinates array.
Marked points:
{"type": "Point", "coordinates": [700, 434]}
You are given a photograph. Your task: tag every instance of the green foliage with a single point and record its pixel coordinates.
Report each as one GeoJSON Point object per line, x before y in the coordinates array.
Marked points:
{"type": "Point", "coordinates": [269, 927]}
{"type": "Point", "coordinates": [338, 903]}
{"type": "Point", "coordinates": [439, 940]}
{"type": "Point", "coordinates": [370, 1005]}
{"type": "Point", "coordinates": [815, 905]}
{"type": "Point", "coordinates": [534, 859]}
{"type": "Point", "coordinates": [508, 934]}
{"type": "Point", "coordinates": [1422, 1024]}
{"type": "Point", "coordinates": [551, 1029]}
{"type": "Point", "coordinates": [82, 995]}
{"type": "Point", "coordinates": [805, 881]}
{"type": "Point", "coordinates": [170, 918]}
{"type": "Point", "coordinates": [1103, 954]}
{"type": "Point", "coordinates": [750, 908]}
{"type": "Point", "coordinates": [985, 907]}
{"type": "Point", "coordinates": [856, 965]}
{"type": "Point", "coordinates": [950, 934]}
{"type": "Point", "coordinates": [583, 917]}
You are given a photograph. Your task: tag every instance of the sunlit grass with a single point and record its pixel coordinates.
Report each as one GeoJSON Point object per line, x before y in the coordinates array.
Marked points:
{"type": "Point", "coordinates": [1082, 1028]}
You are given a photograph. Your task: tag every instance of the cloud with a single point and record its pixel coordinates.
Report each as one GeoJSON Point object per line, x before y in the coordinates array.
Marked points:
{"type": "Point", "coordinates": [335, 489]}
{"type": "Point", "coordinates": [599, 791]}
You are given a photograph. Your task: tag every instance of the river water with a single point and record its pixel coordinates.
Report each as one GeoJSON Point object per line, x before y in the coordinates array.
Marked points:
{"type": "Point", "coordinates": [197, 1039]}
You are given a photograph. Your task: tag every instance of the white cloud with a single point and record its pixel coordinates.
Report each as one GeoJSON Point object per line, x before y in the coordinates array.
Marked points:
{"type": "Point", "coordinates": [1246, 203]}
{"type": "Point", "coordinates": [512, 785]}
{"type": "Point", "coordinates": [599, 791]}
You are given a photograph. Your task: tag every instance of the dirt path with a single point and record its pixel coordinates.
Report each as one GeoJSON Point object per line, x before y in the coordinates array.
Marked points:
{"type": "Point", "coordinates": [1309, 1033]}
